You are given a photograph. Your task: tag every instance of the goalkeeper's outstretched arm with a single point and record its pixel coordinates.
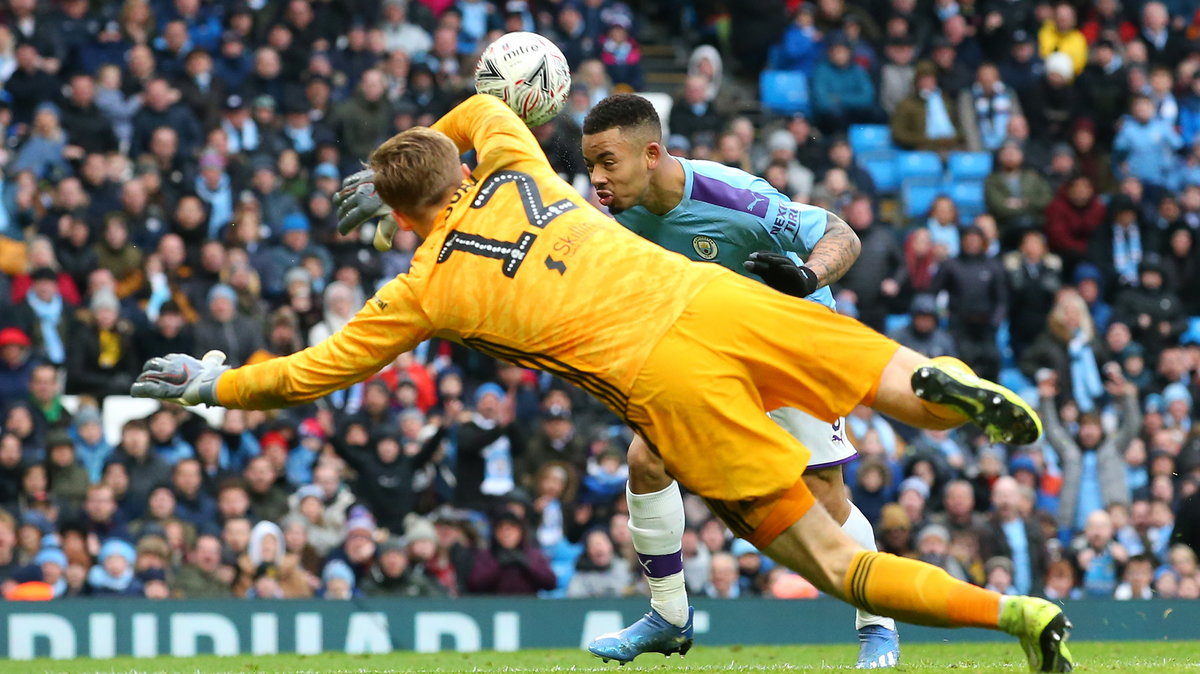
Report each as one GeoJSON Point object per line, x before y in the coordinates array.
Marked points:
{"type": "Point", "coordinates": [391, 323]}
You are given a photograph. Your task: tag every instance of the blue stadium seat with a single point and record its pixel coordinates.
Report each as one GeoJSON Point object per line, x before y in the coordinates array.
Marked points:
{"type": "Point", "coordinates": [1004, 344]}
{"type": "Point", "coordinates": [881, 165]}
{"type": "Point", "coordinates": [784, 92]}
{"type": "Point", "coordinates": [1012, 379]}
{"type": "Point", "coordinates": [564, 552]}
{"type": "Point", "coordinates": [563, 572]}
{"type": "Point", "coordinates": [562, 558]}
{"type": "Point", "coordinates": [895, 322]}
{"type": "Point", "coordinates": [969, 165]}
{"type": "Point", "coordinates": [918, 195]}
{"type": "Point", "coordinates": [968, 197]}
{"type": "Point", "coordinates": [920, 165]}
{"type": "Point", "coordinates": [868, 137]}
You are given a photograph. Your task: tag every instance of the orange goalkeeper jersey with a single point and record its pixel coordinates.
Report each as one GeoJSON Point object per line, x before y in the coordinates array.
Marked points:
{"type": "Point", "coordinates": [518, 266]}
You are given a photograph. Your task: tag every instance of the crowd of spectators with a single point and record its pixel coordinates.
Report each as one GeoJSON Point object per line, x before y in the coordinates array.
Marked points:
{"type": "Point", "coordinates": [167, 173]}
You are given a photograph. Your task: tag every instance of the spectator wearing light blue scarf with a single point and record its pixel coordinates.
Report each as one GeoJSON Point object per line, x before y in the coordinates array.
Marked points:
{"type": "Point", "coordinates": [48, 314]}
{"type": "Point", "coordinates": [214, 188]}
{"type": "Point", "coordinates": [986, 108]}
{"type": "Point", "coordinates": [926, 120]}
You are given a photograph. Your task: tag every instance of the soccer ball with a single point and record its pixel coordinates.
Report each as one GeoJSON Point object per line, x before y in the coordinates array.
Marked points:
{"type": "Point", "coordinates": [528, 72]}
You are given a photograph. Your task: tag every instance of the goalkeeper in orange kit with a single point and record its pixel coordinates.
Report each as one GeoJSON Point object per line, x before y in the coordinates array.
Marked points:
{"type": "Point", "coordinates": [514, 263]}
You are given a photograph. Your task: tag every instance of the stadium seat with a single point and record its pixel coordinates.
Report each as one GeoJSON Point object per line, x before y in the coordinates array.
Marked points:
{"type": "Point", "coordinates": [562, 556]}
{"type": "Point", "coordinates": [968, 197]}
{"type": "Point", "coordinates": [881, 165]}
{"type": "Point", "coordinates": [662, 105]}
{"type": "Point", "coordinates": [784, 92]}
{"type": "Point", "coordinates": [969, 165]}
{"type": "Point", "coordinates": [215, 416]}
{"type": "Point", "coordinates": [868, 137]}
{"type": "Point", "coordinates": [70, 403]}
{"type": "Point", "coordinates": [1012, 379]}
{"type": "Point", "coordinates": [919, 165]}
{"type": "Point", "coordinates": [918, 195]}
{"type": "Point", "coordinates": [895, 323]}
{"type": "Point", "coordinates": [120, 409]}
{"type": "Point", "coordinates": [1004, 344]}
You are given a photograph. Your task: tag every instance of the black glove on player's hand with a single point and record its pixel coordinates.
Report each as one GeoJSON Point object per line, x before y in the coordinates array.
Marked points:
{"type": "Point", "coordinates": [782, 274]}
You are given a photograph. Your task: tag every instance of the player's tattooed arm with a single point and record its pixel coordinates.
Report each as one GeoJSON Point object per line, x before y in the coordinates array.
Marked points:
{"type": "Point", "coordinates": [835, 252]}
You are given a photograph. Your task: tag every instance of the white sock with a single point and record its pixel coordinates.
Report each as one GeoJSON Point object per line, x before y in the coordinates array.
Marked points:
{"type": "Point", "coordinates": [860, 530]}
{"type": "Point", "coordinates": [656, 526]}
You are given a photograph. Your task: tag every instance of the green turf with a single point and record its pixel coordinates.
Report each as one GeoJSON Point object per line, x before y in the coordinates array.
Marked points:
{"type": "Point", "coordinates": [960, 658]}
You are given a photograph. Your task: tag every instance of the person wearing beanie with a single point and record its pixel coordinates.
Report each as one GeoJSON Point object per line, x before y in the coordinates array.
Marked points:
{"type": "Point", "coordinates": [42, 152]}
{"type": "Point", "coordinates": [487, 446]}
{"type": "Point", "coordinates": [45, 314]}
{"type": "Point", "coordinates": [91, 447]}
{"type": "Point", "coordinates": [895, 531]}
{"type": "Point", "coordinates": [114, 574]}
{"type": "Point", "coordinates": [168, 333]}
{"type": "Point", "coordinates": [394, 575]}
{"type": "Point", "coordinates": [842, 90]}
{"type": "Point", "coordinates": [68, 479]}
{"type": "Point", "coordinates": [1178, 401]}
{"type": "Point", "coordinates": [17, 362]}
{"type": "Point", "coordinates": [225, 328]}
{"type": "Point", "coordinates": [511, 565]}
{"type": "Point", "coordinates": [51, 564]}
{"type": "Point", "coordinates": [933, 546]}
{"type": "Point", "coordinates": [102, 359]}
{"type": "Point", "coordinates": [923, 333]}
{"type": "Point", "coordinates": [1053, 102]}
{"type": "Point", "coordinates": [295, 244]}
{"type": "Point", "coordinates": [1154, 314]}
{"type": "Point", "coordinates": [338, 581]}
{"type": "Point", "coordinates": [1090, 283]}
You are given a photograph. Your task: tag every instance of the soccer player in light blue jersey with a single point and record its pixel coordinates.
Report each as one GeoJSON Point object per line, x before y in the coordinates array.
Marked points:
{"type": "Point", "coordinates": [713, 213]}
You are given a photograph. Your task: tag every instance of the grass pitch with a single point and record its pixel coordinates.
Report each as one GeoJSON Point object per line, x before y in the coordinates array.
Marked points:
{"type": "Point", "coordinates": [960, 658]}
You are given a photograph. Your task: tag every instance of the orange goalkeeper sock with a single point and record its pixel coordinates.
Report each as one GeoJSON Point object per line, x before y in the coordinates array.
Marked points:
{"type": "Point", "coordinates": [916, 592]}
{"type": "Point", "coordinates": [941, 411]}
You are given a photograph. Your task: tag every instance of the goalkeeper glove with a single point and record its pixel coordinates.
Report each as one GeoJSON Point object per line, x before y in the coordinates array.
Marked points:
{"type": "Point", "coordinates": [181, 379]}
{"type": "Point", "coordinates": [357, 202]}
{"type": "Point", "coordinates": [782, 274]}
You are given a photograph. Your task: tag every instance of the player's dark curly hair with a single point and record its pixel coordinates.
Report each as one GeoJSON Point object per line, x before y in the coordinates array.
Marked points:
{"type": "Point", "coordinates": [622, 111]}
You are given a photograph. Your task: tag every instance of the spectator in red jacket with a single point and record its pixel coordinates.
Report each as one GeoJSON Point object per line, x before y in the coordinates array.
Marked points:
{"type": "Point", "coordinates": [1071, 217]}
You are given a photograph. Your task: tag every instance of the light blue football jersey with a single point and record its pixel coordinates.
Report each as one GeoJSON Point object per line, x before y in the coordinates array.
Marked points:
{"type": "Point", "coordinates": [725, 215]}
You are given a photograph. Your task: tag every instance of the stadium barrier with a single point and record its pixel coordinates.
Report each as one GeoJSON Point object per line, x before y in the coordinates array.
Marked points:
{"type": "Point", "coordinates": [101, 629]}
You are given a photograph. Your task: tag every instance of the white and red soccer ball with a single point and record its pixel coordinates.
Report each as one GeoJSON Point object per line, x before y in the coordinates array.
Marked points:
{"type": "Point", "coordinates": [528, 72]}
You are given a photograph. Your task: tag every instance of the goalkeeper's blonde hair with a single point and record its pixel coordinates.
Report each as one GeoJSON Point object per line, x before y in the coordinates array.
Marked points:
{"type": "Point", "coordinates": [415, 169]}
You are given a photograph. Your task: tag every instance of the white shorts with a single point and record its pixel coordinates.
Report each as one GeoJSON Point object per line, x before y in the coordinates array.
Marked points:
{"type": "Point", "coordinates": [827, 443]}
